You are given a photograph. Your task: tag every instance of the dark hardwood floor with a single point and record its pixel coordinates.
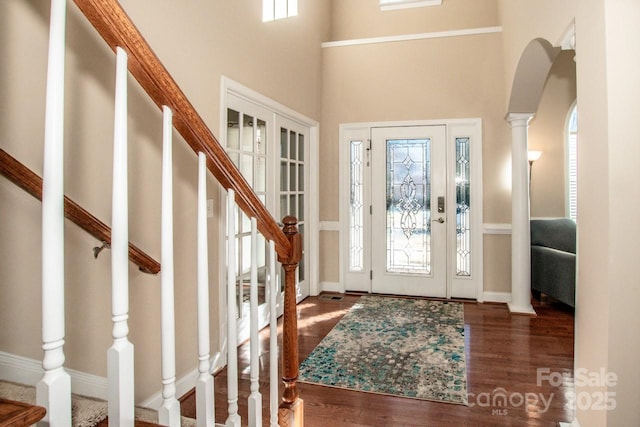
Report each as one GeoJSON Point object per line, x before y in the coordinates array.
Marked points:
{"type": "Point", "coordinates": [503, 354]}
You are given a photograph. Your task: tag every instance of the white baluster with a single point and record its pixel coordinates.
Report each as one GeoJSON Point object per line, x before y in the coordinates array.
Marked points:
{"type": "Point", "coordinates": [255, 398]}
{"type": "Point", "coordinates": [120, 355]}
{"type": "Point", "coordinates": [274, 381]}
{"type": "Point", "coordinates": [54, 389]}
{"type": "Point", "coordinates": [204, 385]}
{"type": "Point", "coordinates": [169, 412]}
{"type": "Point", "coordinates": [232, 340]}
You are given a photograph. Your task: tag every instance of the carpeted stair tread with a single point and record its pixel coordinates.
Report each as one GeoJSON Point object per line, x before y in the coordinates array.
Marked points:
{"type": "Point", "coordinates": [86, 411]}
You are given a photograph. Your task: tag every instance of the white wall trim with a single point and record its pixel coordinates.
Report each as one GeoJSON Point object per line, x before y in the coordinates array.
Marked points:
{"type": "Point", "coordinates": [411, 37]}
{"type": "Point", "coordinates": [575, 423]}
{"type": "Point", "coordinates": [568, 39]}
{"type": "Point", "coordinates": [331, 287]}
{"type": "Point", "coordinates": [407, 4]}
{"type": "Point", "coordinates": [184, 384]}
{"type": "Point", "coordinates": [496, 228]}
{"type": "Point", "coordinates": [24, 370]}
{"type": "Point", "coordinates": [502, 297]}
{"type": "Point", "coordinates": [329, 225]}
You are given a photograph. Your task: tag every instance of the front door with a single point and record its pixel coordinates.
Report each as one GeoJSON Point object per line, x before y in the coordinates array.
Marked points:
{"type": "Point", "coordinates": [408, 211]}
{"type": "Point", "coordinates": [411, 200]}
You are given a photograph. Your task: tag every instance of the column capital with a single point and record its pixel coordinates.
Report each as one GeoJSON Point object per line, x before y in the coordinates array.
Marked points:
{"type": "Point", "coordinates": [519, 119]}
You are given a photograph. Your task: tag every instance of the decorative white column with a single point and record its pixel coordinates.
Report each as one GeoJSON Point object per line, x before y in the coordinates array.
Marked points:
{"type": "Point", "coordinates": [520, 234]}
{"type": "Point", "coordinates": [54, 389]}
{"type": "Point", "coordinates": [169, 412]}
{"type": "Point", "coordinates": [205, 414]}
{"type": "Point", "coordinates": [120, 357]}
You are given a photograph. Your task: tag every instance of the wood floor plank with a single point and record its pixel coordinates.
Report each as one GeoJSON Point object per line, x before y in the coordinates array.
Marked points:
{"type": "Point", "coordinates": [503, 354]}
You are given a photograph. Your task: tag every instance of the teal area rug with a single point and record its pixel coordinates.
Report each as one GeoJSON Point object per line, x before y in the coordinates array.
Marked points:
{"type": "Point", "coordinates": [402, 347]}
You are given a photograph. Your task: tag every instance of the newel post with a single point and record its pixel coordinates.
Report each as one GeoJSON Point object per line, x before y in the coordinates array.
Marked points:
{"type": "Point", "coordinates": [291, 411]}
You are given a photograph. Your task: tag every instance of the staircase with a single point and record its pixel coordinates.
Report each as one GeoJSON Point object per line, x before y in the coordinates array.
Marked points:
{"type": "Point", "coordinates": [53, 392]}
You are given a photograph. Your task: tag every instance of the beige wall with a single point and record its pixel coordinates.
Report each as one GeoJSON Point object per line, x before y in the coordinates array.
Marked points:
{"type": "Point", "coordinates": [607, 93]}
{"type": "Point", "coordinates": [355, 19]}
{"type": "Point", "coordinates": [458, 77]}
{"type": "Point", "coordinates": [198, 43]}
{"type": "Point", "coordinates": [608, 96]}
{"type": "Point", "coordinates": [547, 134]}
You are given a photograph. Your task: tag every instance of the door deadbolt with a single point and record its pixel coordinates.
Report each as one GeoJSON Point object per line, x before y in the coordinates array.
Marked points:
{"type": "Point", "coordinates": [441, 204]}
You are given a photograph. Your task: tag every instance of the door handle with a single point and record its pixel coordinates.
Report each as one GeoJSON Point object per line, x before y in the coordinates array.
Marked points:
{"type": "Point", "coordinates": [440, 220]}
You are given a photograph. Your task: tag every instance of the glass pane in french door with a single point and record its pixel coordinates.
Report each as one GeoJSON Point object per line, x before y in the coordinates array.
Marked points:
{"type": "Point", "coordinates": [247, 148]}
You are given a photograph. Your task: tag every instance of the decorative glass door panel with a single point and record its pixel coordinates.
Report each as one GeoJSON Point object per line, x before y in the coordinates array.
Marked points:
{"type": "Point", "coordinates": [409, 211]}
{"type": "Point", "coordinates": [408, 206]}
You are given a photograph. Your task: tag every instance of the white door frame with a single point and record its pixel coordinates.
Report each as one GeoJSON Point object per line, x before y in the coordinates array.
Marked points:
{"type": "Point", "coordinates": [227, 87]}
{"type": "Point", "coordinates": [457, 286]}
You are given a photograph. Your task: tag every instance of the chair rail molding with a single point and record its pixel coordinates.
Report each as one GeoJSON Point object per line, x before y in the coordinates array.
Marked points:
{"type": "Point", "coordinates": [496, 228]}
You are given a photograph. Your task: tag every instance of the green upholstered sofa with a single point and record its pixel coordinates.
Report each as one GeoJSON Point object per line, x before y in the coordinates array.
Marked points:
{"type": "Point", "coordinates": [553, 259]}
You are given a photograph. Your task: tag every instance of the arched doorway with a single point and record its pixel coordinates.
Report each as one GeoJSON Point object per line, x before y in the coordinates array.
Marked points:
{"type": "Point", "coordinates": [533, 74]}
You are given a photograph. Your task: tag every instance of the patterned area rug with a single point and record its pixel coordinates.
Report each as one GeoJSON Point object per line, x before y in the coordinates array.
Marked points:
{"type": "Point", "coordinates": [403, 347]}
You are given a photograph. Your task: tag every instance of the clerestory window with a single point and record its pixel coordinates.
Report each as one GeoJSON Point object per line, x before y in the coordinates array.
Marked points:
{"type": "Point", "coordinates": [278, 9]}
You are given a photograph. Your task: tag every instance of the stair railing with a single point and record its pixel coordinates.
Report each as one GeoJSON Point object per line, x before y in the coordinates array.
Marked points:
{"type": "Point", "coordinates": [53, 392]}
{"type": "Point", "coordinates": [30, 182]}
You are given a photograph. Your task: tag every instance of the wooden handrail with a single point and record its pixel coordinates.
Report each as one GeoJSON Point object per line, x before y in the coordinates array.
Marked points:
{"type": "Point", "coordinates": [29, 181]}
{"type": "Point", "coordinates": [117, 29]}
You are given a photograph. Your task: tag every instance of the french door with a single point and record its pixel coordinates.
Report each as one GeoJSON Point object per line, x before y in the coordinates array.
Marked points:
{"type": "Point", "coordinates": [413, 209]}
{"type": "Point", "coordinates": [293, 194]}
{"type": "Point", "coordinates": [271, 151]}
{"type": "Point", "coordinates": [249, 143]}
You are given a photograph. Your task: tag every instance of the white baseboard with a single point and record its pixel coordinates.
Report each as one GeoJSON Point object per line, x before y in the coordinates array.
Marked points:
{"type": "Point", "coordinates": [24, 370]}
{"type": "Point", "coordinates": [27, 371]}
{"type": "Point", "coordinates": [503, 297]}
{"type": "Point", "coordinates": [183, 384]}
{"type": "Point", "coordinates": [331, 287]}
{"type": "Point", "coordinates": [575, 423]}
